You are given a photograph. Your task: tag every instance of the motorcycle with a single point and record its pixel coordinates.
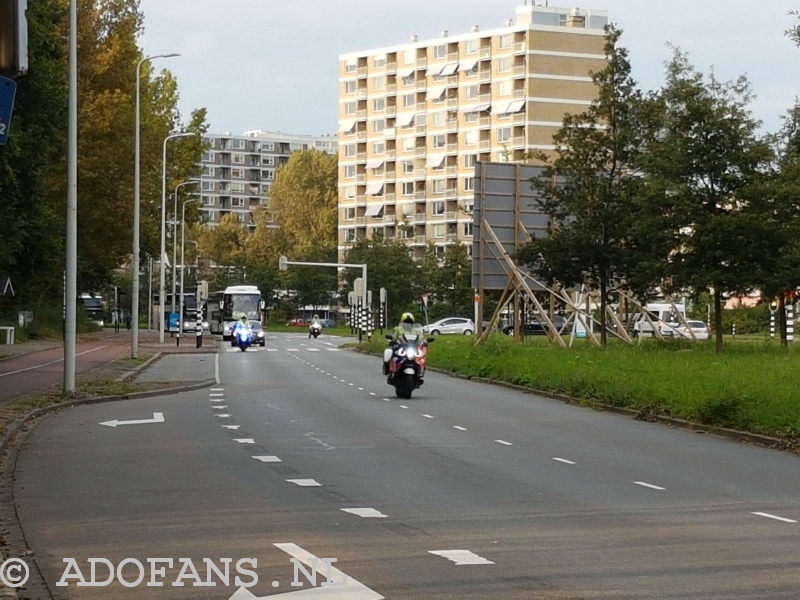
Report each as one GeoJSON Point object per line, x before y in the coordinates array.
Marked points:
{"type": "Point", "coordinates": [242, 338]}
{"type": "Point", "coordinates": [315, 330]}
{"type": "Point", "coordinates": [407, 364]}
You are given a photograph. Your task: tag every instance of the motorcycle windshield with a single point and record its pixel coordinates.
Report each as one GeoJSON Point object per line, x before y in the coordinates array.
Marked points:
{"type": "Point", "coordinates": [413, 336]}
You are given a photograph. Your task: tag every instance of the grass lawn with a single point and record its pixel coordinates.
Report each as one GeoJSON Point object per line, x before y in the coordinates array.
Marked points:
{"type": "Point", "coordinates": [754, 386]}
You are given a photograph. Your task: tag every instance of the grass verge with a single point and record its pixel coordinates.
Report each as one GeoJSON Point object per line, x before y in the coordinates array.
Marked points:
{"type": "Point", "coordinates": [752, 387]}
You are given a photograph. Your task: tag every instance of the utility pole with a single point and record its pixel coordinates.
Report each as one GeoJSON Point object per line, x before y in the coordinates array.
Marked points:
{"type": "Point", "coordinates": [70, 332]}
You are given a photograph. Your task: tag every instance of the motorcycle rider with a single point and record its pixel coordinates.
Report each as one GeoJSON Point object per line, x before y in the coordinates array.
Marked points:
{"type": "Point", "coordinates": [241, 325]}
{"type": "Point", "coordinates": [406, 328]}
{"type": "Point", "coordinates": [314, 321]}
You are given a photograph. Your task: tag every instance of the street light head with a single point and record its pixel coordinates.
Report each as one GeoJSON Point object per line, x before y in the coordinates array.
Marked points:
{"type": "Point", "coordinates": [282, 263]}
{"type": "Point", "coordinates": [173, 55]}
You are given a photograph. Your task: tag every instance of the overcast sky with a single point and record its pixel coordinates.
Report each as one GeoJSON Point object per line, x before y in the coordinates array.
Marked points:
{"type": "Point", "coordinates": [273, 64]}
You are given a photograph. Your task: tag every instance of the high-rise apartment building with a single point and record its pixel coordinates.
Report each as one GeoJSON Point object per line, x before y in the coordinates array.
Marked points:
{"type": "Point", "coordinates": [238, 171]}
{"type": "Point", "coordinates": [414, 119]}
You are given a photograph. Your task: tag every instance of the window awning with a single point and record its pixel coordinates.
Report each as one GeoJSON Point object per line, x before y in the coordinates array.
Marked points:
{"type": "Point", "coordinates": [375, 163]}
{"type": "Point", "coordinates": [435, 161]}
{"type": "Point", "coordinates": [405, 119]}
{"type": "Point", "coordinates": [374, 188]}
{"type": "Point", "coordinates": [374, 210]}
{"type": "Point", "coordinates": [436, 92]}
{"type": "Point", "coordinates": [500, 108]}
{"type": "Point", "coordinates": [449, 69]}
{"type": "Point", "coordinates": [405, 72]}
{"type": "Point", "coordinates": [347, 126]}
{"type": "Point", "coordinates": [476, 108]}
{"type": "Point", "coordinates": [435, 69]}
{"type": "Point", "coordinates": [467, 65]}
{"type": "Point", "coordinates": [515, 106]}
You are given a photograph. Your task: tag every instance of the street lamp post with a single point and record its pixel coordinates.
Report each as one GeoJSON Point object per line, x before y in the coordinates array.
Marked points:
{"type": "Point", "coordinates": [71, 267]}
{"type": "Point", "coordinates": [162, 274]}
{"type": "Point", "coordinates": [183, 252]}
{"type": "Point", "coordinates": [136, 204]}
{"type": "Point", "coordinates": [175, 242]}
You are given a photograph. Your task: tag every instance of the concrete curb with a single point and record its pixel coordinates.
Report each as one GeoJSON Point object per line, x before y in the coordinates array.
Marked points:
{"type": "Point", "coordinates": [638, 414]}
{"type": "Point", "coordinates": [140, 368]}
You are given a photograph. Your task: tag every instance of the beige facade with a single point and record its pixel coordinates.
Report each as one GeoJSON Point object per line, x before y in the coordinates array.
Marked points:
{"type": "Point", "coordinates": [414, 119]}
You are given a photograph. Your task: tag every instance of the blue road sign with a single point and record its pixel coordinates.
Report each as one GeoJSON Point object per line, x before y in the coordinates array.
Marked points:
{"type": "Point", "coordinates": [8, 89]}
{"type": "Point", "coordinates": [174, 321]}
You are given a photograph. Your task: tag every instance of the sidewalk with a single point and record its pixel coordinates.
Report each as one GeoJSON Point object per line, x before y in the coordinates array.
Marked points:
{"type": "Point", "coordinates": [179, 369]}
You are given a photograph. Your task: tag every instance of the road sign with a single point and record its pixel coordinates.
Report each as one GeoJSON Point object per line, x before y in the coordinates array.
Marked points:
{"type": "Point", "coordinates": [8, 90]}
{"type": "Point", "coordinates": [283, 263]}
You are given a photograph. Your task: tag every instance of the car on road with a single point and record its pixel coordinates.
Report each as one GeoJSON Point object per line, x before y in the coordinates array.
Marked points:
{"type": "Point", "coordinates": [537, 328]}
{"type": "Point", "coordinates": [700, 330]}
{"type": "Point", "coordinates": [328, 323]}
{"type": "Point", "coordinates": [297, 323]}
{"type": "Point", "coordinates": [451, 326]}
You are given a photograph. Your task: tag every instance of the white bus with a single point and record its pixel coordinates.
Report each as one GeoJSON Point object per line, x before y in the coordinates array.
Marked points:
{"type": "Point", "coordinates": [227, 307]}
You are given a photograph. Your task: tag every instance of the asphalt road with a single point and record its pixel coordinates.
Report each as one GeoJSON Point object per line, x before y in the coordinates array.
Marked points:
{"type": "Point", "coordinates": [464, 491]}
{"type": "Point", "coordinates": [36, 371]}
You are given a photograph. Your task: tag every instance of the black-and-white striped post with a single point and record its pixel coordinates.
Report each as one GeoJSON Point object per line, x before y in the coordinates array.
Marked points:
{"type": "Point", "coordinates": [199, 314]}
{"type": "Point", "coordinates": [773, 311]}
{"type": "Point", "coordinates": [790, 322]}
{"type": "Point", "coordinates": [733, 331]}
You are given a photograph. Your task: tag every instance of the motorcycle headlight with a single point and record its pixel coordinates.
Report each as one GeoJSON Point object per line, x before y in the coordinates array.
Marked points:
{"type": "Point", "coordinates": [411, 352]}
{"type": "Point", "coordinates": [401, 352]}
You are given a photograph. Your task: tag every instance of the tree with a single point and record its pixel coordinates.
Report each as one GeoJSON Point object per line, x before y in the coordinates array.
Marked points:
{"type": "Point", "coordinates": [702, 154]}
{"type": "Point", "coordinates": [455, 281]}
{"type": "Point", "coordinates": [588, 187]}
{"type": "Point", "coordinates": [304, 202]}
{"type": "Point", "coordinates": [793, 33]}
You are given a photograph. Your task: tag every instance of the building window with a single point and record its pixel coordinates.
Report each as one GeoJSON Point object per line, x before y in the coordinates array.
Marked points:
{"type": "Point", "coordinates": [409, 80]}
{"type": "Point", "coordinates": [378, 147]}
{"type": "Point", "coordinates": [379, 104]}
{"type": "Point", "coordinates": [469, 161]}
{"type": "Point", "coordinates": [350, 66]}
{"type": "Point", "coordinates": [267, 161]}
{"type": "Point", "coordinates": [440, 52]}
{"type": "Point", "coordinates": [237, 188]}
{"type": "Point", "coordinates": [349, 171]}
{"type": "Point", "coordinates": [379, 82]}
{"type": "Point", "coordinates": [237, 173]}
{"type": "Point", "coordinates": [237, 202]}
{"type": "Point", "coordinates": [349, 214]}
{"type": "Point", "coordinates": [350, 108]}
{"type": "Point", "coordinates": [409, 100]}
{"type": "Point", "coordinates": [469, 250]}
{"type": "Point", "coordinates": [378, 126]}
{"type": "Point", "coordinates": [268, 175]}
{"type": "Point", "coordinates": [437, 187]}
{"type": "Point", "coordinates": [409, 144]}
{"type": "Point", "coordinates": [469, 207]}
{"type": "Point", "coordinates": [470, 138]}
{"type": "Point", "coordinates": [470, 117]}
{"type": "Point", "coordinates": [437, 209]}
{"type": "Point", "coordinates": [208, 201]}
{"type": "Point", "coordinates": [504, 89]}
{"type": "Point", "coordinates": [473, 46]}
{"type": "Point", "coordinates": [349, 235]}
{"type": "Point", "coordinates": [350, 87]}
{"type": "Point", "coordinates": [469, 184]}
{"type": "Point", "coordinates": [408, 188]}
{"type": "Point", "coordinates": [504, 65]}
{"type": "Point", "coordinates": [439, 230]}
{"type": "Point", "coordinates": [438, 119]}
{"type": "Point", "coordinates": [505, 41]}
{"type": "Point", "coordinates": [350, 192]}
{"type": "Point", "coordinates": [211, 142]}
{"type": "Point", "coordinates": [268, 146]}
{"type": "Point", "coordinates": [266, 188]}
{"type": "Point", "coordinates": [209, 171]}
{"type": "Point", "coordinates": [207, 186]}
{"type": "Point", "coordinates": [410, 56]}
{"type": "Point", "coordinates": [439, 141]}
{"type": "Point", "coordinates": [471, 92]}
{"type": "Point", "coordinates": [438, 251]}
{"type": "Point", "coordinates": [379, 62]}
{"type": "Point", "coordinates": [504, 134]}
{"type": "Point", "coordinates": [349, 150]}
{"type": "Point", "coordinates": [407, 167]}
{"type": "Point", "coordinates": [467, 229]}
{"type": "Point", "coordinates": [238, 144]}
{"type": "Point", "coordinates": [238, 159]}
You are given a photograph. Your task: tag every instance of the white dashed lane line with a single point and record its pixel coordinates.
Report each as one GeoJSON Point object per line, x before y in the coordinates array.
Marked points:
{"type": "Point", "coordinates": [564, 460]}
{"type": "Point", "coordinates": [504, 443]}
{"type": "Point", "coordinates": [218, 407]}
{"type": "Point", "coordinates": [268, 459]}
{"type": "Point", "coordinates": [775, 517]}
{"type": "Point", "coordinates": [222, 416]}
{"type": "Point", "coordinates": [405, 407]}
{"type": "Point", "coordinates": [461, 557]}
{"type": "Point", "coordinates": [649, 485]}
{"type": "Point", "coordinates": [459, 428]}
{"type": "Point", "coordinates": [216, 395]}
{"type": "Point", "coordinates": [234, 427]}
{"type": "Point", "coordinates": [373, 394]}
{"type": "Point", "coordinates": [217, 400]}
{"type": "Point", "coordinates": [304, 482]}
{"type": "Point", "coordinates": [364, 513]}
{"type": "Point", "coordinates": [245, 441]}
{"type": "Point", "coordinates": [217, 389]}
{"type": "Point", "coordinates": [428, 416]}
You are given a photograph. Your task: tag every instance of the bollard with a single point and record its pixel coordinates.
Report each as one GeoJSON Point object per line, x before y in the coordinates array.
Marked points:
{"type": "Point", "coordinates": [772, 326]}
{"type": "Point", "coordinates": [790, 323]}
{"type": "Point", "coordinates": [199, 332]}
{"type": "Point", "coordinates": [734, 330]}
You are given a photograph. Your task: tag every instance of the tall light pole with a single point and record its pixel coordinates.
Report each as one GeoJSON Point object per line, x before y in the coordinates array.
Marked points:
{"type": "Point", "coordinates": [136, 203]}
{"type": "Point", "coordinates": [175, 241]}
{"type": "Point", "coordinates": [163, 273]}
{"type": "Point", "coordinates": [71, 267]}
{"type": "Point", "coordinates": [183, 251]}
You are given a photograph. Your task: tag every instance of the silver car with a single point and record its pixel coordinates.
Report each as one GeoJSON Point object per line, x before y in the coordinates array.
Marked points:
{"type": "Point", "coordinates": [451, 326]}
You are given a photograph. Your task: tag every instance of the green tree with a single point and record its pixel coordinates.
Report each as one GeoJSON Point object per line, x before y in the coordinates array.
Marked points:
{"type": "Point", "coordinates": [793, 33]}
{"type": "Point", "coordinates": [588, 187]}
{"type": "Point", "coordinates": [455, 281]}
{"type": "Point", "coordinates": [703, 152]}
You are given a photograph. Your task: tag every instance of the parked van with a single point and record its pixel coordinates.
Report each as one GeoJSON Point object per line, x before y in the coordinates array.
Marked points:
{"type": "Point", "coordinates": [664, 315]}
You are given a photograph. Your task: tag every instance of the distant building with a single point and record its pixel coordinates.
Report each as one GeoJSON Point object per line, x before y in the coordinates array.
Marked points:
{"type": "Point", "coordinates": [237, 171]}
{"type": "Point", "coordinates": [414, 118]}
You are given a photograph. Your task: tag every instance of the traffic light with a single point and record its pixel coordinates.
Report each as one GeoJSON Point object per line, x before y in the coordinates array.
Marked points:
{"type": "Point", "coordinates": [13, 37]}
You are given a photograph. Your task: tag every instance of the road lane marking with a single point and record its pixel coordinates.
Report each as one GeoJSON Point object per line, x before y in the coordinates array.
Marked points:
{"type": "Point", "coordinates": [234, 427]}
{"type": "Point", "coordinates": [222, 416]}
{"type": "Point", "coordinates": [272, 349]}
{"type": "Point", "coordinates": [386, 400]}
{"type": "Point", "coordinates": [777, 518]}
{"type": "Point", "coordinates": [216, 395]}
{"type": "Point", "coordinates": [333, 350]}
{"type": "Point", "coordinates": [157, 418]}
{"type": "Point", "coordinates": [218, 407]}
{"type": "Point", "coordinates": [459, 428]}
{"type": "Point", "coordinates": [313, 350]}
{"type": "Point", "coordinates": [268, 459]}
{"type": "Point", "coordinates": [305, 482]}
{"type": "Point", "coordinates": [244, 440]}
{"type": "Point", "coordinates": [505, 443]}
{"type": "Point", "coordinates": [461, 557]}
{"type": "Point", "coordinates": [401, 406]}
{"type": "Point", "coordinates": [365, 513]}
{"type": "Point", "coordinates": [564, 460]}
{"type": "Point", "coordinates": [359, 389]}
{"type": "Point", "coordinates": [47, 364]}
{"type": "Point", "coordinates": [217, 389]}
{"type": "Point", "coordinates": [217, 400]}
{"type": "Point", "coordinates": [216, 368]}
{"type": "Point", "coordinates": [649, 485]}
{"type": "Point", "coordinates": [292, 350]}
{"type": "Point", "coordinates": [428, 416]}
{"type": "Point", "coordinates": [373, 394]}
{"type": "Point", "coordinates": [350, 384]}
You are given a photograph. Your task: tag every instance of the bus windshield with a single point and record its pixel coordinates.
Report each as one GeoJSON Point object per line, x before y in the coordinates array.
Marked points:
{"type": "Point", "coordinates": [239, 305]}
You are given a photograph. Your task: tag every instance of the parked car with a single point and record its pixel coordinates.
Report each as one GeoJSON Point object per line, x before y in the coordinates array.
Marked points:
{"type": "Point", "coordinates": [328, 323]}
{"type": "Point", "coordinates": [700, 330]}
{"type": "Point", "coordinates": [451, 326]}
{"type": "Point", "coordinates": [537, 328]}
{"type": "Point", "coordinates": [297, 323]}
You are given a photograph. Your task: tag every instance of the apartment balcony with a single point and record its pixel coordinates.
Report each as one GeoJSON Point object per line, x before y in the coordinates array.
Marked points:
{"type": "Point", "coordinates": [420, 195]}
{"type": "Point", "coordinates": [486, 52]}
{"type": "Point", "coordinates": [485, 122]}
{"type": "Point", "coordinates": [391, 67]}
{"type": "Point", "coordinates": [451, 193]}
{"type": "Point", "coordinates": [452, 102]}
{"type": "Point", "coordinates": [391, 111]}
{"type": "Point", "coordinates": [361, 157]}
{"type": "Point", "coordinates": [361, 178]}
{"type": "Point", "coordinates": [361, 136]}
{"type": "Point", "coordinates": [452, 148]}
{"type": "Point", "coordinates": [519, 118]}
{"type": "Point", "coordinates": [520, 70]}
{"type": "Point", "coordinates": [390, 198]}
{"type": "Point", "coordinates": [484, 98]}
{"type": "Point", "coordinates": [519, 94]}
{"type": "Point", "coordinates": [518, 142]}
{"type": "Point", "coordinates": [361, 115]}
{"type": "Point", "coordinates": [450, 216]}
{"type": "Point", "coordinates": [420, 173]}
{"type": "Point", "coordinates": [391, 154]}
{"type": "Point", "coordinates": [451, 238]}
{"type": "Point", "coordinates": [422, 84]}
{"type": "Point", "coordinates": [520, 48]}
{"type": "Point", "coordinates": [485, 76]}
{"type": "Point", "coordinates": [422, 62]}
{"type": "Point", "coordinates": [452, 56]}
{"type": "Point", "coordinates": [419, 240]}
{"type": "Point", "coordinates": [361, 72]}
{"type": "Point", "coordinates": [361, 220]}
{"type": "Point", "coordinates": [452, 171]}
{"type": "Point", "coordinates": [391, 88]}
{"type": "Point", "coordinates": [390, 133]}
{"type": "Point", "coordinates": [361, 200]}
{"type": "Point", "coordinates": [421, 129]}
{"type": "Point", "coordinates": [390, 219]}
{"type": "Point", "coordinates": [361, 94]}
{"type": "Point", "coordinates": [452, 125]}
{"type": "Point", "coordinates": [485, 144]}
{"type": "Point", "coordinates": [420, 151]}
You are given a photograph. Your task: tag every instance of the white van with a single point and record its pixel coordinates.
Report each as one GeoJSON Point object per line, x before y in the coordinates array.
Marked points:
{"type": "Point", "coordinates": [663, 315]}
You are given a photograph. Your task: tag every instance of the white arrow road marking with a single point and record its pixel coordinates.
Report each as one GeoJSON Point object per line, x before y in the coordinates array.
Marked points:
{"type": "Point", "coordinates": [245, 441]}
{"type": "Point", "coordinates": [234, 427]}
{"type": "Point", "coordinates": [344, 587]}
{"type": "Point", "coordinates": [365, 513]}
{"type": "Point", "coordinates": [649, 485]}
{"type": "Point", "coordinates": [267, 459]}
{"type": "Point", "coordinates": [459, 428]}
{"type": "Point", "coordinates": [157, 418]}
{"type": "Point", "coordinates": [564, 460]}
{"type": "Point", "coordinates": [461, 557]}
{"type": "Point", "coordinates": [304, 482]}
{"type": "Point", "coordinates": [504, 442]}
{"type": "Point", "coordinates": [769, 516]}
